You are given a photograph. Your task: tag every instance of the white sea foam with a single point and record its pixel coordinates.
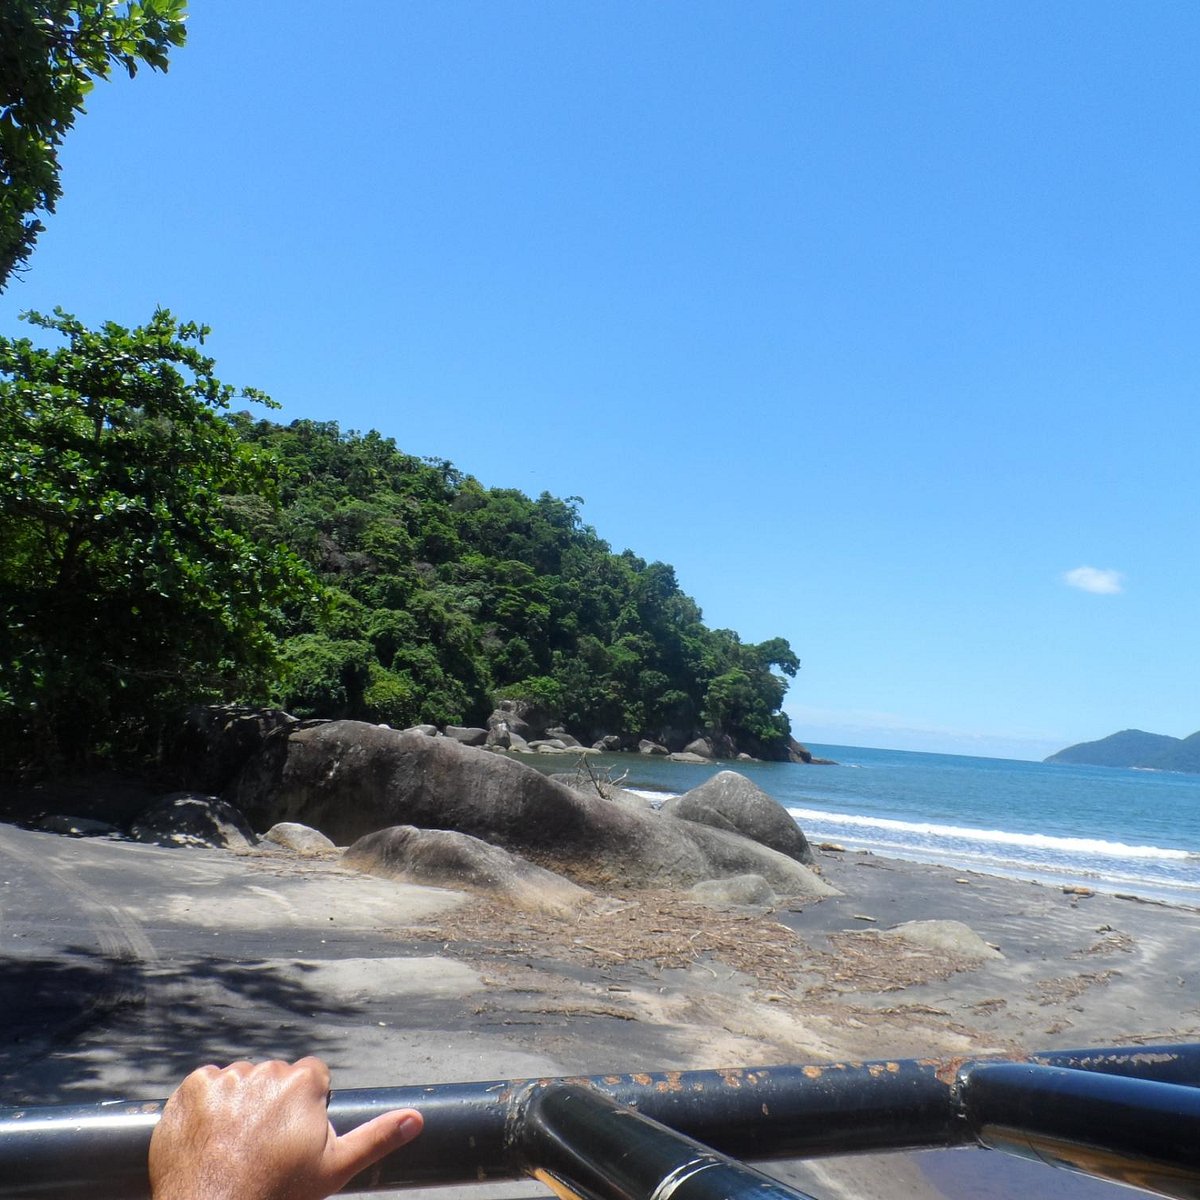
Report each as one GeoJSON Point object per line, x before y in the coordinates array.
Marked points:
{"type": "Point", "coordinates": [1000, 837]}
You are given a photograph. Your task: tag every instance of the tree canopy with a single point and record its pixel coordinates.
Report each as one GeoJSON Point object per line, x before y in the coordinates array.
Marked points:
{"type": "Point", "coordinates": [443, 595]}
{"type": "Point", "coordinates": [158, 550]}
{"type": "Point", "coordinates": [138, 567]}
{"type": "Point", "coordinates": [51, 54]}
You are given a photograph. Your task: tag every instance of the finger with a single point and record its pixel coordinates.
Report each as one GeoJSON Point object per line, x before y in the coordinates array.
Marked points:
{"type": "Point", "coordinates": [363, 1147]}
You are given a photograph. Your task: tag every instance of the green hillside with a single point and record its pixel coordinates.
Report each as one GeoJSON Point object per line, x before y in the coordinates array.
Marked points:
{"type": "Point", "coordinates": [1135, 748]}
{"type": "Point", "coordinates": [442, 595]}
{"type": "Point", "coordinates": [1183, 756]}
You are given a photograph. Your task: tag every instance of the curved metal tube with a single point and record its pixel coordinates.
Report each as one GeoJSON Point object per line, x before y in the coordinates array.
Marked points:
{"type": "Point", "coordinates": [1139, 1132]}
{"type": "Point", "coordinates": [98, 1152]}
{"type": "Point", "coordinates": [583, 1145]}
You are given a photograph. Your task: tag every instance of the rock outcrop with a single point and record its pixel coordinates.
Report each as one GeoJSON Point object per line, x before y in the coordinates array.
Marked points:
{"type": "Point", "coordinates": [733, 802]}
{"type": "Point", "coordinates": [191, 819]}
{"type": "Point", "coordinates": [349, 779]}
{"type": "Point", "coordinates": [444, 858]}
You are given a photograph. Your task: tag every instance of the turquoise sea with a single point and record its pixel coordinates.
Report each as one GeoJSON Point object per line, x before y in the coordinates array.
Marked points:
{"type": "Point", "coordinates": [1126, 831]}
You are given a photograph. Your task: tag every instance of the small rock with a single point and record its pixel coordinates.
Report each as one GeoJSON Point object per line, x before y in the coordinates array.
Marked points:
{"type": "Point", "coordinates": [953, 937]}
{"type": "Point", "coordinates": [76, 826]}
{"type": "Point", "coordinates": [466, 736]}
{"type": "Point", "coordinates": [738, 889]}
{"type": "Point", "coordinates": [302, 839]}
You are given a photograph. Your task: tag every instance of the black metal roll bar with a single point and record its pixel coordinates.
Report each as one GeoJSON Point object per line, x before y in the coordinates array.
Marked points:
{"type": "Point", "coordinates": [1131, 1115]}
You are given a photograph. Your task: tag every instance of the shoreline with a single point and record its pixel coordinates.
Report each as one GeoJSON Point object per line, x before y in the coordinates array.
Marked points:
{"type": "Point", "coordinates": [824, 818]}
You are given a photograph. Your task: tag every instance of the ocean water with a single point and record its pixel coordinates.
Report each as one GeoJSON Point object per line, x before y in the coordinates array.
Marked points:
{"type": "Point", "coordinates": [1128, 831]}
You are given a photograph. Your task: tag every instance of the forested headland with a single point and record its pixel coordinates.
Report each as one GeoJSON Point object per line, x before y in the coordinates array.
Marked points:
{"type": "Point", "coordinates": [160, 549]}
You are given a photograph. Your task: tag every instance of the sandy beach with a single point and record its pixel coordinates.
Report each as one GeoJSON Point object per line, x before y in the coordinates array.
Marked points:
{"type": "Point", "coordinates": [126, 965]}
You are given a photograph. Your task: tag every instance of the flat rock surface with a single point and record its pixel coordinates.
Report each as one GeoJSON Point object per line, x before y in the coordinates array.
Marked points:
{"type": "Point", "coordinates": [127, 965]}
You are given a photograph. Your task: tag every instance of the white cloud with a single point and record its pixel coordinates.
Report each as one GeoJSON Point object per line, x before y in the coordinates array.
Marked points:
{"type": "Point", "coordinates": [1100, 581]}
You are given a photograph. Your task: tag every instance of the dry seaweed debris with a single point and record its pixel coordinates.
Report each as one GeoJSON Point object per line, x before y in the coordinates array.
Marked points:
{"type": "Point", "coordinates": [650, 928]}
{"type": "Point", "coordinates": [1068, 987]}
{"type": "Point", "coordinates": [870, 963]}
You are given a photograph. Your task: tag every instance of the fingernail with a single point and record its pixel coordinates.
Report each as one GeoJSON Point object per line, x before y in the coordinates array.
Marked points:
{"type": "Point", "coordinates": [410, 1125]}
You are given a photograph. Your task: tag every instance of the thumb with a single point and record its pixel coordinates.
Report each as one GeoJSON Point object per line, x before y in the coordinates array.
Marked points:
{"type": "Point", "coordinates": [363, 1147]}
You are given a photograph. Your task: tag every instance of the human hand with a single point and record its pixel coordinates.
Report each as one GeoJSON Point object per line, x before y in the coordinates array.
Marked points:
{"type": "Point", "coordinates": [260, 1132]}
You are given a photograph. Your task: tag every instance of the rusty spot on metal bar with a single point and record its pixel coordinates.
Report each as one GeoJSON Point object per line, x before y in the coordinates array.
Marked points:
{"type": "Point", "coordinates": [813, 1072]}
{"type": "Point", "coordinates": [643, 1079]}
{"type": "Point", "coordinates": [612, 1080]}
{"type": "Point", "coordinates": [947, 1073]}
{"type": "Point", "coordinates": [893, 1068]}
{"type": "Point", "coordinates": [732, 1077]}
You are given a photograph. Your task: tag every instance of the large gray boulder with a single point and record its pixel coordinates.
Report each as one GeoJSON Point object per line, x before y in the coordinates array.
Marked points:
{"type": "Point", "coordinates": [731, 801]}
{"type": "Point", "coordinates": [349, 779]}
{"type": "Point", "coordinates": [191, 819]}
{"type": "Point", "coordinates": [443, 858]}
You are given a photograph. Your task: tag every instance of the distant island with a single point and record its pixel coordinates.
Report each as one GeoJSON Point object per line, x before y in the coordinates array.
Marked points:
{"type": "Point", "coordinates": [1136, 748]}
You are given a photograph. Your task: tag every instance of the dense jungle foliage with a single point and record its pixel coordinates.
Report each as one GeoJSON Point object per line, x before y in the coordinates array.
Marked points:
{"type": "Point", "coordinates": [158, 550]}
{"type": "Point", "coordinates": [442, 596]}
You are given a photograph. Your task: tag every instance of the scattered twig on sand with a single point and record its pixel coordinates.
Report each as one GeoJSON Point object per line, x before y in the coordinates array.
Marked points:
{"type": "Point", "coordinates": [1067, 987]}
{"type": "Point", "coordinates": [659, 928]}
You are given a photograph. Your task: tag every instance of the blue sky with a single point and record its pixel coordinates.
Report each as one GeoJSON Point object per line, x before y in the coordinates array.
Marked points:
{"type": "Point", "coordinates": [876, 320]}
